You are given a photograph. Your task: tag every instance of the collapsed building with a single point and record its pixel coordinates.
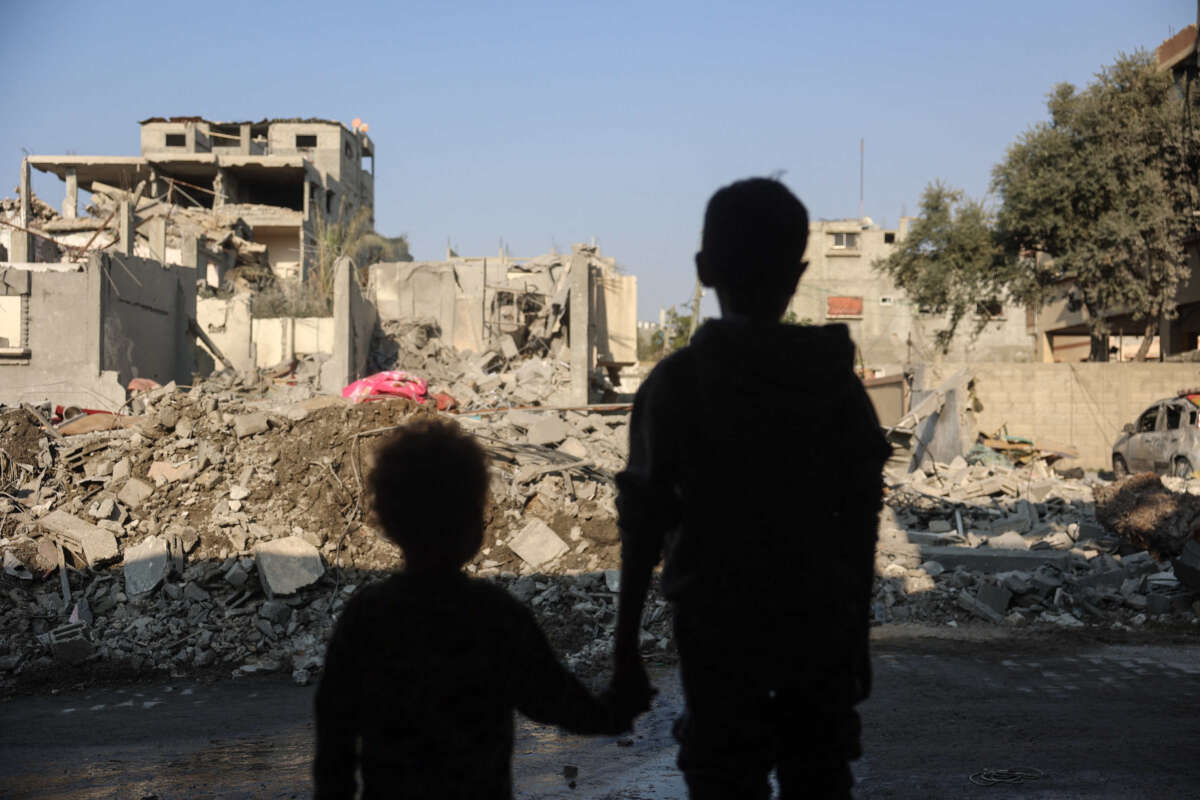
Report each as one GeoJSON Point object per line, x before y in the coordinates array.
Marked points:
{"type": "Point", "coordinates": [270, 182]}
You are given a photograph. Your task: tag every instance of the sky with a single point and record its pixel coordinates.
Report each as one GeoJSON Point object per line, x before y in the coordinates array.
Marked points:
{"type": "Point", "coordinates": [536, 125]}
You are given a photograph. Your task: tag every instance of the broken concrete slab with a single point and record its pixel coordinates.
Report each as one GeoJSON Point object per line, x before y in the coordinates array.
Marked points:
{"type": "Point", "coordinates": [573, 447]}
{"type": "Point", "coordinates": [146, 565]}
{"type": "Point", "coordinates": [537, 544]}
{"type": "Point", "coordinates": [995, 596]}
{"type": "Point", "coordinates": [162, 472]}
{"type": "Point", "coordinates": [548, 430]}
{"type": "Point", "coordinates": [250, 424]}
{"type": "Point", "coordinates": [93, 543]}
{"type": "Point", "coordinates": [969, 603]}
{"type": "Point", "coordinates": [287, 565]}
{"type": "Point", "coordinates": [134, 493]}
{"type": "Point", "coordinates": [992, 560]}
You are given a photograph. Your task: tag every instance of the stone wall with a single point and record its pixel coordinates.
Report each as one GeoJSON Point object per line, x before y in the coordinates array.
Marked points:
{"type": "Point", "coordinates": [1080, 405]}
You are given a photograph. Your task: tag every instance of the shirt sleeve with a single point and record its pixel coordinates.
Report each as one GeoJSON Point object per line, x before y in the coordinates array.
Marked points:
{"type": "Point", "coordinates": [337, 715]}
{"type": "Point", "coordinates": [545, 691]}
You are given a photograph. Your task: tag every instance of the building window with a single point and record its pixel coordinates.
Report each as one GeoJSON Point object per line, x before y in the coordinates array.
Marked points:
{"type": "Point", "coordinates": [990, 309]}
{"type": "Point", "coordinates": [889, 237]}
{"type": "Point", "coordinates": [306, 141]}
{"type": "Point", "coordinates": [845, 241]}
{"type": "Point", "coordinates": [176, 140]}
{"type": "Point", "coordinates": [14, 326]}
{"type": "Point", "coordinates": [349, 151]}
{"type": "Point", "coordinates": [844, 308]}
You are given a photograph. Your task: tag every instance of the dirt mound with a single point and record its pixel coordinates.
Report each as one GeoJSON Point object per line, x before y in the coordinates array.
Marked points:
{"type": "Point", "coordinates": [1146, 513]}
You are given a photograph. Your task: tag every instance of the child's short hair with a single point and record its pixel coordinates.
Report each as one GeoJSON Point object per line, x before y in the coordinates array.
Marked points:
{"type": "Point", "coordinates": [755, 232]}
{"type": "Point", "coordinates": [429, 489]}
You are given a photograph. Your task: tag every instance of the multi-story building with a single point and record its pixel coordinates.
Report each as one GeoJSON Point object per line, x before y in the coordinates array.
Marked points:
{"type": "Point", "coordinates": [843, 285]}
{"type": "Point", "coordinates": [279, 176]}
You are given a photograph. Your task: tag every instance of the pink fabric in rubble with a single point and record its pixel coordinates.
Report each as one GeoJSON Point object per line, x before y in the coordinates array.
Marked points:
{"type": "Point", "coordinates": [394, 382]}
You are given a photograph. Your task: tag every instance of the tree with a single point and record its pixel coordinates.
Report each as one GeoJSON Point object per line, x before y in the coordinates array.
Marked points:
{"type": "Point", "coordinates": [1105, 191]}
{"type": "Point", "coordinates": [345, 235]}
{"type": "Point", "coordinates": [950, 262]}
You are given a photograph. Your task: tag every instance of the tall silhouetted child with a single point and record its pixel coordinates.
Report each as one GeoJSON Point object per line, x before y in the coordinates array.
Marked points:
{"type": "Point", "coordinates": [424, 669]}
{"type": "Point", "coordinates": [755, 463]}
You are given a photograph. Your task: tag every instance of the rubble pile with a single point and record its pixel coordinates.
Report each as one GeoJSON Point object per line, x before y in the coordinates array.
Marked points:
{"type": "Point", "coordinates": [219, 527]}
{"type": "Point", "coordinates": [503, 376]}
{"type": "Point", "coordinates": [224, 527]}
{"type": "Point", "coordinates": [1020, 545]}
{"type": "Point", "coordinates": [1145, 511]}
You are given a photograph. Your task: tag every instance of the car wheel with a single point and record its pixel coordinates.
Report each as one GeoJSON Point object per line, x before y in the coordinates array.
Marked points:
{"type": "Point", "coordinates": [1183, 468]}
{"type": "Point", "coordinates": [1120, 468]}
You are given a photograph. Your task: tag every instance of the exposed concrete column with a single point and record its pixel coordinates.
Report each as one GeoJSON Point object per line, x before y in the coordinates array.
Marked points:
{"type": "Point", "coordinates": [22, 242]}
{"type": "Point", "coordinates": [580, 377]}
{"type": "Point", "coordinates": [244, 139]}
{"type": "Point", "coordinates": [125, 215]}
{"type": "Point", "coordinates": [71, 201]}
{"type": "Point", "coordinates": [221, 188]}
{"type": "Point", "coordinates": [158, 239]}
{"type": "Point", "coordinates": [152, 189]}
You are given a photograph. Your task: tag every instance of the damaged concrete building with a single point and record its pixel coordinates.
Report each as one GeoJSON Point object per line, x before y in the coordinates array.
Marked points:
{"type": "Point", "coordinates": [269, 182]}
{"type": "Point", "coordinates": [842, 285]}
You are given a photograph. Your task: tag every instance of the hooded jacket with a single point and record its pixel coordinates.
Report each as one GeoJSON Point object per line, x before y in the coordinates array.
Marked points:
{"type": "Point", "coordinates": [755, 464]}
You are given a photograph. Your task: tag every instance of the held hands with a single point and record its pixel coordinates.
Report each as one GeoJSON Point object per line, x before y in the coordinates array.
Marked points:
{"type": "Point", "coordinates": [630, 692]}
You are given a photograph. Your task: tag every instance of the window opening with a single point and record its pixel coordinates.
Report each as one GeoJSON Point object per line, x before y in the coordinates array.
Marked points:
{"type": "Point", "coordinates": [889, 238]}
{"type": "Point", "coordinates": [1174, 415]}
{"type": "Point", "coordinates": [176, 140]}
{"type": "Point", "coordinates": [305, 141]}
{"type": "Point", "coordinates": [226, 135]}
{"type": "Point", "coordinates": [845, 241]}
{"type": "Point", "coordinates": [1146, 420]}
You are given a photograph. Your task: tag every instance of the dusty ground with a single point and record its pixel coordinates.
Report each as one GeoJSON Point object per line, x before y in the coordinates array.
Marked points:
{"type": "Point", "coordinates": [1099, 720]}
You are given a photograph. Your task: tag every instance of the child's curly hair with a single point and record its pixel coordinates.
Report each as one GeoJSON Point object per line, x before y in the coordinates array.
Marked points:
{"type": "Point", "coordinates": [429, 489]}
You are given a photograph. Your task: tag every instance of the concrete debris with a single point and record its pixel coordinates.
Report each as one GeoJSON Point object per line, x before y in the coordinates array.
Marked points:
{"type": "Point", "coordinates": [288, 565]}
{"type": "Point", "coordinates": [250, 424]}
{"type": "Point", "coordinates": [146, 565]}
{"type": "Point", "coordinates": [1033, 547]}
{"type": "Point", "coordinates": [134, 493]}
{"type": "Point", "coordinates": [69, 643]}
{"type": "Point", "coordinates": [94, 544]}
{"type": "Point", "coordinates": [537, 544]}
{"type": "Point", "coordinates": [1144, 511]}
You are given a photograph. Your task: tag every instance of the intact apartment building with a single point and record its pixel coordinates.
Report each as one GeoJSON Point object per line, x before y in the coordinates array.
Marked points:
{"type": "Point", "coordinates": [841, 285]}
{"type": "Point", "coordinates": [278, 176]}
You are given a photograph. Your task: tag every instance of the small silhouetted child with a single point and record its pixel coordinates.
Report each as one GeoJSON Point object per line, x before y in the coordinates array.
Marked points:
{"type": "Point", "coordinates": [424, 669]}
{"type": "Point", "coordinates": [755, 462]}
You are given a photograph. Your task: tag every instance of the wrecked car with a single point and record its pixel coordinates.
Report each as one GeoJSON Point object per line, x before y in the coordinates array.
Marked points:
{"type": "Point", "coordinates": [1165, 439]}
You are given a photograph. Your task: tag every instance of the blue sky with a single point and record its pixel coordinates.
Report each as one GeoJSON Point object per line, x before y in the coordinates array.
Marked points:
{"type": "Point", "coordinates": [543, 124]}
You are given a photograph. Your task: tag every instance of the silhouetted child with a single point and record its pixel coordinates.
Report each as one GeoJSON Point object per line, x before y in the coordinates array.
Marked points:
{"type": "Point", "coordinates": [755, 462]}
{"type": "Point", "coordinates": [424, 669]}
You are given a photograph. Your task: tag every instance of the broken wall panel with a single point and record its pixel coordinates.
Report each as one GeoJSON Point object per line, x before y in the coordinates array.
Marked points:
{"type": "Point", "coordinates": [89, 328]}
{"type": "Point", "coordinates": [144, 310]}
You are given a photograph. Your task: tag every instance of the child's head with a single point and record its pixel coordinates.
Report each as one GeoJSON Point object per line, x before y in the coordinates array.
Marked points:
{"type": "Point", "coordinates": [429, 488]}
{"type": "Point", "coordinates": [752, 248]}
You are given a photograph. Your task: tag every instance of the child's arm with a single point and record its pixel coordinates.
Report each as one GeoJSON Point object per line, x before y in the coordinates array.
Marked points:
{"type": "Point", "coordinates": [336, 712]}
{"type": "Point", "coordinates": [545, 691]}
{"type": "Point", "coordinates": [648, 507]}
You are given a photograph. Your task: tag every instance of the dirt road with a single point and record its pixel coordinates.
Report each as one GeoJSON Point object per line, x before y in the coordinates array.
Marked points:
{"type": "Point", "coordinates": [1100, 721]}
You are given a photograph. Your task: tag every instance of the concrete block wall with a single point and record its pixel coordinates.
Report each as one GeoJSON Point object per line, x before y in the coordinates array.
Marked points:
{"type": "Point", "coordinates": [1082, 405]}
{"type": "Point", "coordinates": [91, 328]}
